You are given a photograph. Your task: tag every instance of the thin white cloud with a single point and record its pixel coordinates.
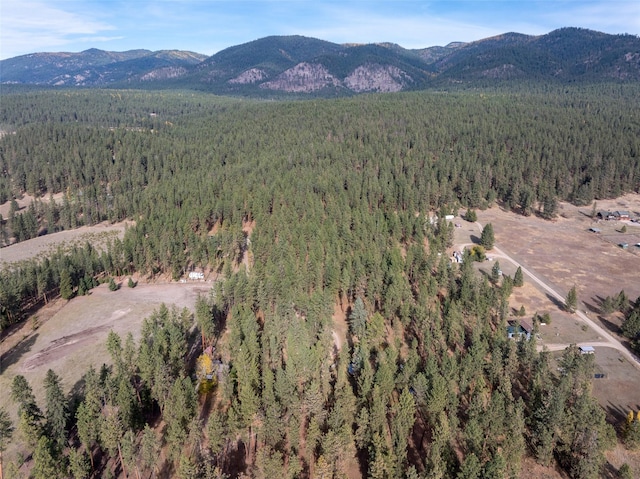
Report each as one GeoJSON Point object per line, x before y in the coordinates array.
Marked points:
{"type": "Point", "coordinates": [613, 16]}
{"type": "Point", "coordinates": [208, 26]}
{"type": "Point", "coordinates": [33, 26]}
{"type": "Point", "coordinates": [418, 25]}
{"type": "Point", "coordinates": [100, 39]}
{"type": "Point", "coordinates": [413, 30]}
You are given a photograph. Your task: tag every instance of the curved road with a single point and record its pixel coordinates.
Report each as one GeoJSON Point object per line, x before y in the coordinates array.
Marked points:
{"type": "Point", "coordinates": [611, 341]}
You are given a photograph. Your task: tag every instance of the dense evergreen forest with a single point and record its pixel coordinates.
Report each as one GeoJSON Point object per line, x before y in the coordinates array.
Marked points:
{"type": "Point", "coordinates": [337, 193]}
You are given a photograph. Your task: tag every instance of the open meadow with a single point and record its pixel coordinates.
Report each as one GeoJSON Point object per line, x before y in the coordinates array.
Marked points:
{"type": "Point", "coordinates": [563, 253]}
{"type": "Point", "coordinates": [69, 337]}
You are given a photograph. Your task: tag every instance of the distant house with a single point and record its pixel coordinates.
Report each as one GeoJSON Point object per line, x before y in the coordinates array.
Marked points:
{"type": "Point", "coordinates": [516, 330]}
{"type": "Point", "coordinates": [605, 215]}
{"type": "Point", "coordinates": [615, 215]}
{"type": "Point", "coordinates": [587, 350]}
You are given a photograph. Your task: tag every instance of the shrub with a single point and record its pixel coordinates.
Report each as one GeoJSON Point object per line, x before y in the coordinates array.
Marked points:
{"type": "Point", "coordinates": [478, 253]}
{"type": "Point", "coordinates": [471, 216]}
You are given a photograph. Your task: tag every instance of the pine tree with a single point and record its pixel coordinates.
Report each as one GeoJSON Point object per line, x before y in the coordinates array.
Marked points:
{"type": "Point", "coordinates": [56, 412]}
{"type": "Point", "coordinates": [29, 413]}
{"type": "Point", "coordinates": [149, 448]}
{"type": "Point", "coordinates": [66, 288]}
{"type": "Point", "coordinates": [625, 472]}
{"type": "Point", "coordinates": [45, 460]}
{"type": "Point", "coordinates": [549, 207]}
{"type": "Point", "coordinates": [571, 301]}
{"type": "Point", "coordinates": [496, 272]}
{"type": "Point", "coordinates": [358, 319]}
{"type": "Point", "coordinates": [6, 432]}
{"type": "Point", "coordinates": [204, 319]}
{"type": "Point", "coordinates": [518, 278]}
{"type": "Point", "coordinates": [471, 216]}
{"type": "Point", "coordinates": [487, 237]}
{"type": "Point", "coordinates": [79, 466]}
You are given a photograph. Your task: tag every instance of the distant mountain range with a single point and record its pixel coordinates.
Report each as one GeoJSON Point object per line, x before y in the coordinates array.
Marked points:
{"type": "Point", "coordinates": [308, 66]}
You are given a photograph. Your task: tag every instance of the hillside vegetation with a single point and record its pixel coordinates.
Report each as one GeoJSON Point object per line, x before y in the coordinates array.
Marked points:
{"type": "Point", "coordinates": [286, 66]}
{"type": "Point", "coordinates": [339, 193]}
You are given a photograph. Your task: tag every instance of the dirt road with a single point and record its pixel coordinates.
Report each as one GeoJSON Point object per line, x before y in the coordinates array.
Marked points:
{"type": "Point", "coordinates": [611, 341]}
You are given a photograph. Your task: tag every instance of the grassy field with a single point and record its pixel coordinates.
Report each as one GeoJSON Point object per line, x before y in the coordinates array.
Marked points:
{"type": "Point", "coordinates": [564, 253]}
{"type": "Point", "coordinates": [69, 337]}
{"type": "Point", "coordinates": [98, 235]}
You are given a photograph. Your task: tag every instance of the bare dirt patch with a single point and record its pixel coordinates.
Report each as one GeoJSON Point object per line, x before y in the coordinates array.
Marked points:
{"type": "Point", "coordinates": [25, 200]}
{"type": "Point", "coordinates": [340, 326]}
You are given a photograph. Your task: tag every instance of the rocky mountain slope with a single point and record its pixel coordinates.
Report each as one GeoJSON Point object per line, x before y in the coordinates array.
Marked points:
{"type": "Point", "coordinates": [94, 67]}
{"type": "Point", "coordinates": [301, 65]}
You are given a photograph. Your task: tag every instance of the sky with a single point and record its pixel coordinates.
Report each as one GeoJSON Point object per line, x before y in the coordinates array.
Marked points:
{"type": "Point", "coordinates": [208, 26]}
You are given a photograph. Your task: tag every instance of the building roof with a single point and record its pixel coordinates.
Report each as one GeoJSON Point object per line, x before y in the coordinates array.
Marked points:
{"type": "Point", "coordinates": [587, 349]}
{"type": "Point", "coordinates": [519, 327]}
{"type": "Point", "coordinates": [526, 326]}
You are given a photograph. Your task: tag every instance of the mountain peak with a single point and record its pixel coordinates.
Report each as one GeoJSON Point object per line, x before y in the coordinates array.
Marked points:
{"type": "Point", "coordinates": [296, 63]}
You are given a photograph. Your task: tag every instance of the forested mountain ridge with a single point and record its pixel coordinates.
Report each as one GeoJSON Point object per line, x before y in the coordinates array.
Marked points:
{"type": "Point", "coordinates": [92, 67]}
{"type": "Point", "coordinates": [567, 54]}
{"type": "Point", "coordinates": [301, 65]}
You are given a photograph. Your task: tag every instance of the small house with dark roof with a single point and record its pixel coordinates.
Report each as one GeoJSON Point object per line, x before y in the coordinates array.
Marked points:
{"type": "Point", "coordinates": [605, 215]}
{"type": "Point", "coordinates": [518, 329]}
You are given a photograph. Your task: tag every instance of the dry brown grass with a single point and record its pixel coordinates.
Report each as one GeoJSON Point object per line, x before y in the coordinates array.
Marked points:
{"type": "Point", "coordinates": [42, 246]}
{"type": "Point", "coordinates": [74, 336]}
{"type": "Point", "coordinates": [563, 253]}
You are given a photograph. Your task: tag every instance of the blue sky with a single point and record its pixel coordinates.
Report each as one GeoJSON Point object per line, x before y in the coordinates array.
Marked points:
{"type": "Point", "coordinates": [208, 26]}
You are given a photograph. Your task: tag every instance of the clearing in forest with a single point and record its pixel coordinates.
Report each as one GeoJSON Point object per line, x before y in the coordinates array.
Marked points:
{"type": "Point", "coordinates": [563, 253]}
{"type": "Point", "coordinates": [70, 336]}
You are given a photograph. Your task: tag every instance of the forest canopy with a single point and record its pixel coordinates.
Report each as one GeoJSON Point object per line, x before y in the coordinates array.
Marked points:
{"type": "Point", "coordinates": [337, 193]}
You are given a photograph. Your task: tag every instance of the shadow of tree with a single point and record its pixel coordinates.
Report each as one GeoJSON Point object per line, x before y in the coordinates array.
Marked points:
{"type": "Point", "coordinates": [75, 397]}
{"type": "Point", "coordinates": [556, 301]}
{"type": "Point", "coordinates": [616, 415]}
{"type": "Point", "coordinates": [12, 356]}
{"type": "Point", "coordinates": [609, 471]}
{"type": "Point", "coordinates": [596, 307]}
{"type": "Point", "coordinates": [611, 326]}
